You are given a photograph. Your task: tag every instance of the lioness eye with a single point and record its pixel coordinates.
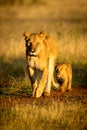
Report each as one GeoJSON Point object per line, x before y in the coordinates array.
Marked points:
{"type": "Point", "coordinates": [56, 70]}
{"type": "Point", "coordinates": [30, 43]}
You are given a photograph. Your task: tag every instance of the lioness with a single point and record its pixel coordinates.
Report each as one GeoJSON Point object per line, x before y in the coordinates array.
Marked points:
{"type": "Point", "coordinates": [64, 76]}
{"type": "Point", "coordinates": [41, 53]}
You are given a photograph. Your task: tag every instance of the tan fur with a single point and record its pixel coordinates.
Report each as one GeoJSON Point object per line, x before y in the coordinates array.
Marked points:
{"type": "Point", "coordinates": [64, 76]}
{"type": "Point", "coordinates": [41, 53]}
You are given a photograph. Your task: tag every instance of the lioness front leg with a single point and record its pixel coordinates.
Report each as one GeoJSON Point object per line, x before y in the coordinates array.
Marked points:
{"type": "Point", "coordinates": [33, 80]}
{"type": "Point", "coordinates": [42, 83]}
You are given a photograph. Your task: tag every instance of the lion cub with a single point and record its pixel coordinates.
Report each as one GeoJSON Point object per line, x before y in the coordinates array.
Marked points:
{"type": "Point", "coordinates": [64, 76]}
{"type": "Point", "coordinates": [41, 53]}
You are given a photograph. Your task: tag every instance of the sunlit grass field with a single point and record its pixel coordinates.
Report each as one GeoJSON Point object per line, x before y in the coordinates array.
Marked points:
{"type": "Point", "coordinates": [66, 22]}
{"type": "Point", "coordinates": [56, 116]}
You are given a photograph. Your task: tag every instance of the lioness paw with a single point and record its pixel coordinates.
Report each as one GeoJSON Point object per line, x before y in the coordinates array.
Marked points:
{"type": "Point", "coordinates": [38, 93]}
{"type": "Point", "coordinates": [46, 94]}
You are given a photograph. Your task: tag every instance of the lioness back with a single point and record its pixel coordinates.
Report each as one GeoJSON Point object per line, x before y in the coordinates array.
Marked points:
{"type": "Point", "coordinates": [52, 46]}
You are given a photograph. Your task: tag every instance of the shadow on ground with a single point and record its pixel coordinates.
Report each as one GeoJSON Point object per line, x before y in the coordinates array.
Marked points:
{"type": "Point", "coordinates": [13, 73]}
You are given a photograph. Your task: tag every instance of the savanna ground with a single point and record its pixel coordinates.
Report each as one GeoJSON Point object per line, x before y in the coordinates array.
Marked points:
{"type": "Point", "coordinates": [64, 20]}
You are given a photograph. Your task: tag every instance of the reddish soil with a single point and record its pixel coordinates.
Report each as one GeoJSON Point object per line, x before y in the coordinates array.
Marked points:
{"type": "Point", "coordinates": [78, 94]}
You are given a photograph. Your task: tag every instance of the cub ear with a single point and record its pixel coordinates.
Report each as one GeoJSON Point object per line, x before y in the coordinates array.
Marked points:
{"type": "Point", "coordinates": [26, 35]}
{"type": "Point", "coordinates": [42, 34]}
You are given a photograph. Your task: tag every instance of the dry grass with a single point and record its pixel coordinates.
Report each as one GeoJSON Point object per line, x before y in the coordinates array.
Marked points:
{"type": "Point", "coordinates": [62, 116]}
{"type": "Point", "coordinates": [64, 20]}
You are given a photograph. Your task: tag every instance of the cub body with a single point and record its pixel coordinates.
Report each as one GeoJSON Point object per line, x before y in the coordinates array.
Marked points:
{"type": "Point", "coordinates": [41, 53]}
{"type": "Point", "coordinates": [64, 76]}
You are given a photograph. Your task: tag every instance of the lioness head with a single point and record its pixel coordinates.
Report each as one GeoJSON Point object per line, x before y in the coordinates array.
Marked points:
{"type": "Point", "coordinates": [34, 43]}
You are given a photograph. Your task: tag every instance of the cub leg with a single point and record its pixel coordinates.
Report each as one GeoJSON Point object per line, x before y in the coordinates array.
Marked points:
{"type": "Point", "coordinates": [69, 69]}
{"type": "Point", "coordinates": [69, 84]}
{"type": "Point", "coordinates": [63, 86]}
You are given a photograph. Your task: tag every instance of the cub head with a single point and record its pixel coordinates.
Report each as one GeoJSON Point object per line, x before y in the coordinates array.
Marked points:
{"type": "Point", "coordinates": [60, 72]}
{"type": "Point", "coordinates": [34, 43]}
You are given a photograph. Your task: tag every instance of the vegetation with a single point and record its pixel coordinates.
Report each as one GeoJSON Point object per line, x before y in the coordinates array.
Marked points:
{"type": "Point", "coordinates": [20, 2]}
{"type": "Point", "coordinates": [66, 21]}
{"type": "Point", "coordinates": [62, 116]}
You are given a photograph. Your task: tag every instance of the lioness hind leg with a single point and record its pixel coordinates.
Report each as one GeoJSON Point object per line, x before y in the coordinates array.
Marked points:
{"type": "Point", "coordinates": [50, 76]}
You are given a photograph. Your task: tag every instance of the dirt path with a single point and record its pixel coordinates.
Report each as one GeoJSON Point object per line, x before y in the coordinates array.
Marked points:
{"type": "Point", "coordinates": [78, 94]}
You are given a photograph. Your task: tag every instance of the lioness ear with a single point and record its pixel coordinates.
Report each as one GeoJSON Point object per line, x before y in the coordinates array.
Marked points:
{"type": "Point", "coordinates": [26, 35]}
{"type": "Point", "coordinates": [42, 34]}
